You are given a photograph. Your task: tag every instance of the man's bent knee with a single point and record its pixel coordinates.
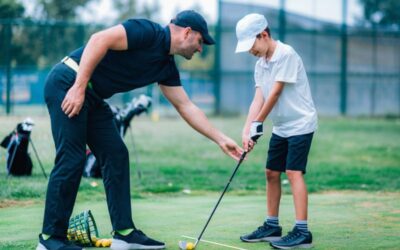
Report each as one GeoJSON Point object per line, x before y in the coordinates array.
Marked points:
{"type": "Point", "coordinates": [116, 161]}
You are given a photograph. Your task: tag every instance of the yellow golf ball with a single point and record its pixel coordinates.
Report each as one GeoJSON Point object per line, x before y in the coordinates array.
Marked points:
{"type": "Point", "coordinates": [189, 246]}
{"type": "Point", "coordinates": [94, 239]}
{"type": "Point", "coordinates": [98, 243]}
{"type": "Point", "coordinates": [106, 243]}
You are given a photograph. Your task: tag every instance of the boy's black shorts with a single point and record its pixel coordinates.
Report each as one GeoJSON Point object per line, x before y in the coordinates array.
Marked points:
{"type": "Point", "coordinates": [289, 153]}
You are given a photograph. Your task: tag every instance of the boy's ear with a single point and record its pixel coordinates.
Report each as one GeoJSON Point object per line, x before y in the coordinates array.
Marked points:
{"type": "Point", "coordinates": [265, 34]}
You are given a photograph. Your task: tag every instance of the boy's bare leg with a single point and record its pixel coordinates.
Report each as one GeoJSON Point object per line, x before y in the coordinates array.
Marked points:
{"type": "Point", "coordinates": [270, 229]}
{"type": "Point", "coordinates": [273, 192]}
{"type": "Point", "coordinates": [300, 195]}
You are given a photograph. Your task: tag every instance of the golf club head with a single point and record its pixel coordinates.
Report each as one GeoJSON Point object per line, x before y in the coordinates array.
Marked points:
{"type": "Point", "coordinates": [27, 124]}
{"type": "Point", "coordinates": [143, 100]}
{"type": "Point", "coordinates": [184, 245]}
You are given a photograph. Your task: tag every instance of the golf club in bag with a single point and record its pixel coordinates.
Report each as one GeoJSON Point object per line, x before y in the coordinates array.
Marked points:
{"type": "Point", "coordinates": [19, 162]}
{"type": "Point", "coordinates": [188, 245]}
{"type": "Point", "coordinates": [122, 118]}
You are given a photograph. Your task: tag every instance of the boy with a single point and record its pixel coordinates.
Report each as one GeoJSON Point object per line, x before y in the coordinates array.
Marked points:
{"type": "Point", "coordinates": [283, 94]}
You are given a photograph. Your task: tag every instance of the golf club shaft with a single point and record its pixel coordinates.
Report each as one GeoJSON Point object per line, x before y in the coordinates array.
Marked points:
{"type": "Point", "coordinates": [37, 156]}
{"type": "Point", "coordinates": [139, 172]}
{"type": "Point", "coordinates": [222, 195]}
{"type": "Point", "coordinates": [12, 159]}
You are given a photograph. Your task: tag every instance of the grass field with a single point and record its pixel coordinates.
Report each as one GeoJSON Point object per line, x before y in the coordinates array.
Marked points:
{"type": "Point", "coordinates": [347, 154]}
{"type": "Point", "coordinates": [353, 175]}
{"type": "Point", "coordinates": [345, 220]}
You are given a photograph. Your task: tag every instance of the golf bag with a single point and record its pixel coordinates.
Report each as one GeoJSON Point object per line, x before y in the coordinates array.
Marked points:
{"type": "Point", "coordinates": [122, 118]}
{"type": "Point", "coordinates": [19, 162]}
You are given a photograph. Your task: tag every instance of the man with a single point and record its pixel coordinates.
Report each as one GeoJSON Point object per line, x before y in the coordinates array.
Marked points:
{"type": "Point", "coordinates": [283, 94]}
{"type": "Point", "coordinates": [133, 54]}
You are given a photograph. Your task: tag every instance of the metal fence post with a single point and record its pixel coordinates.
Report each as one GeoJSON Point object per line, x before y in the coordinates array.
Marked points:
{"type": "Point", "coordinates": [375, 68]}
{"type": "Point", "coordinates": [282, 21]}
{"type": "Point", "coordinates": [343, 73]}
{"type": "Point", "coordinates": [217, 63]}
{"type": "Point", "coordinates": [8, 36]}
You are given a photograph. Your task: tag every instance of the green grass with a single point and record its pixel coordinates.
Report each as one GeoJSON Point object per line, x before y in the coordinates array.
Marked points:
{"type": "Point", "coordinates": [353, 175]}
{"type": "Point", "coordinates": [339, 220]}
{"type": "Point", "coordinates": [347, 154]}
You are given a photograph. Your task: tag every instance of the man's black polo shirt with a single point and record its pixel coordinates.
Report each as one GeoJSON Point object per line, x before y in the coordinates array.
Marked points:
{"type": "Point", "coordinates": [146, 61]}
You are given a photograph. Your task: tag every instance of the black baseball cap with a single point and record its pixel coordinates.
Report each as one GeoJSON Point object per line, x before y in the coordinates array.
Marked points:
{"type": "Point", "coordinates": [192, 19]}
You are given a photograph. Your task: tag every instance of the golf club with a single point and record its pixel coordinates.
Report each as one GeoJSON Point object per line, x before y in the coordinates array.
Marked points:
{"type": "Point", "coordinates": [184, 245]}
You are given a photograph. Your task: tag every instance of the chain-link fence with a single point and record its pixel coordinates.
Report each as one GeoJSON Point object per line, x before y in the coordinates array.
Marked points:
{"type": "Point", "coordinates": [352, 71]}
{"type": "Point", "coordinates": [29, 49]}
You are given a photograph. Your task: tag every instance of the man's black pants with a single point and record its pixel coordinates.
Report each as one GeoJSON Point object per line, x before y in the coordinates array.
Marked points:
{"type": "Point", "coordinates": [95, 127]}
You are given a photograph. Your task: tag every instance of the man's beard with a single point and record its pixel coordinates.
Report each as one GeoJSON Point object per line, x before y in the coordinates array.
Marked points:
{"type": "Point", "coordinates": [188, 53]}
{"type": "Point", "coordinates": [188, 57]}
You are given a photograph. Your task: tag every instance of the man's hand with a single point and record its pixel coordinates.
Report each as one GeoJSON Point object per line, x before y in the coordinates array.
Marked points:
{"type": "Point", "coordinates": [73, 101]}
{"type": "Point", "coordinates": [231, 148]}
{"type": "Point", "coordinates": [256, 130]}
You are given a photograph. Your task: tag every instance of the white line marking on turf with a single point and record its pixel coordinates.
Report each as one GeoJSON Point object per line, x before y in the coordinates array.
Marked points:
{"type": "Point", "coordinates": [216, 243]}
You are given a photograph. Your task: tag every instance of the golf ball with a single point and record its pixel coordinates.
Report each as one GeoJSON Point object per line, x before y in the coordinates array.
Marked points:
{"type": "Point", "coordinates": [189, 246]}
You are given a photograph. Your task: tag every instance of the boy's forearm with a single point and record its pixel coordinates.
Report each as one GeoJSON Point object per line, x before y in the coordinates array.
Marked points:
{"type": "Point", "coordinates": [250, 117]}
{"type": "Point", "coordinates": [270, 102]}
{"type": "Point", "coordinates": [266, 108]}
{"type": "Point", "coordinates": [254, 109]}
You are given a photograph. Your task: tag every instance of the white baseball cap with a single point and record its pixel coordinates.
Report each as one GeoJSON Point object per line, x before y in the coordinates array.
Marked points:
{"type": "Point", "coordinates": [247, 30]}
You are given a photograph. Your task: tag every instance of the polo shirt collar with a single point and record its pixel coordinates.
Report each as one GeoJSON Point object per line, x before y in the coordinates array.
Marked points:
{"type": "Point", "coordinates": [167, 41]}
{"type": "Point", "coordinates": [276, 54]}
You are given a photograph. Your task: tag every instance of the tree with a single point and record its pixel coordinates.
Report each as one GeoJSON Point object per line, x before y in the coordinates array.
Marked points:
{"type": "Point", "coordinates": [58, 9]}
{"type": "Point", "coordinates": [129, 9]}
{"type": "Point", "coordinates": [11, 9]}
{"type": "Point", "coordinates": [382, 12]}
{"type": "Point", "coordinates": [32, 42]}
{"type": "Point", "coordinates": [125, 8]}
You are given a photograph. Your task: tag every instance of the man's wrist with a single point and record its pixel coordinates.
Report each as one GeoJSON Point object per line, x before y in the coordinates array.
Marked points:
{"type": "Point", "coordinates": [220, 138]}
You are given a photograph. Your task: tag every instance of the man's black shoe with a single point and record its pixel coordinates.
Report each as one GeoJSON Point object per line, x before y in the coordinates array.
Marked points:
{"type": "Point", "coordinates": [54, 243]}
{"type": "Point", "coordinates": [135, 240]}
{"type": "Point", "coordinates": [294, 239]}
{"type": "Point", "coordinates": [263, 233]}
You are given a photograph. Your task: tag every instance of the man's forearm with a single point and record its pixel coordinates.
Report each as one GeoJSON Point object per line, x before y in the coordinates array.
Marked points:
{"type": "Point", "coordinates": [198, 121]}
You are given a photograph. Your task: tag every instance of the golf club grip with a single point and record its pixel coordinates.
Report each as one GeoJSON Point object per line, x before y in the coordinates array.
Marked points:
{"type": "Point", "coordinates": [222, 195]}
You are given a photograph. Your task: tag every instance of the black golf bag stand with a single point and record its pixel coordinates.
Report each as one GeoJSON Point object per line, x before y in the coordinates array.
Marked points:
{"type": "Point", "coordinates": [19, 162]}
{"type": "Point", "coordinates": [122, 118]}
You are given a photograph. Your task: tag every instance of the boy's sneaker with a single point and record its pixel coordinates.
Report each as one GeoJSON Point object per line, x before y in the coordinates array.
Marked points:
{"type": "Point", "coordinates": [263, 233]}
{"type": "Point", "coordinates": [135, 240]}
{"type": "Point", "coordinates": [55, 243]}
{"type": "Point", "coordinates": [294, 239]}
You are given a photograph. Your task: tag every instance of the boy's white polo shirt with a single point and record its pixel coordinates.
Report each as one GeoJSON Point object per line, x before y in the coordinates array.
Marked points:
{"type": "Point", "coordinates": [294, 112]}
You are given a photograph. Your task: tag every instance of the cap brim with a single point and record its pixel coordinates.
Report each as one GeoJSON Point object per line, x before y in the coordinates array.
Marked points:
{"type": "Point", "coordinates": [208, 39]}
{"type": "Point", "coordinates": [245, 45]}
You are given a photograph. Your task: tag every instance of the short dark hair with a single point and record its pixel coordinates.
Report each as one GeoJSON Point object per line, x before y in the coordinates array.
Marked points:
{"type": "Point", "coordinates": [266, 30]}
